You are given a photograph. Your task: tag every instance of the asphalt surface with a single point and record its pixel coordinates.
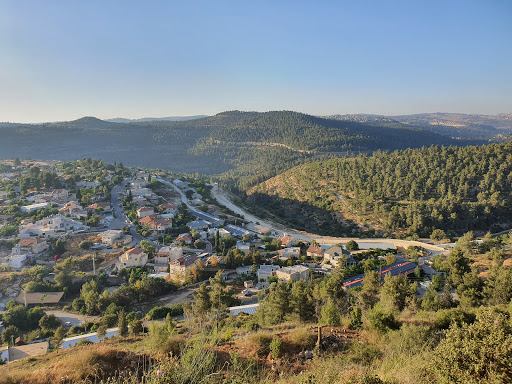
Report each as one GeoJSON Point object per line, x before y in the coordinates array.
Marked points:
{"type": "Point", "coordinates": [120, 219]}
{"type": "Point", "coordinates": [73, 318]}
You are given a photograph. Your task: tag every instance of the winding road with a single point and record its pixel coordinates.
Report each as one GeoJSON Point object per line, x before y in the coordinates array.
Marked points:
{"type": "Point", "coordinates": [223, 197]}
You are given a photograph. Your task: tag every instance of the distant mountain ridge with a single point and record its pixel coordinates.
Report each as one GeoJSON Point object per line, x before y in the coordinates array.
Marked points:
{"type": "Point", "coordinates": [458, 125]}
{"type": "Point", "coordinates": [252, 143]}
{"type": "Point", "coordinates": [169, 118]}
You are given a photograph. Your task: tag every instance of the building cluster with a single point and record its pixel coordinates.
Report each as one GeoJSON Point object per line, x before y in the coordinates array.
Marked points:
{"type": "Point", "coordinates": [49, 213]}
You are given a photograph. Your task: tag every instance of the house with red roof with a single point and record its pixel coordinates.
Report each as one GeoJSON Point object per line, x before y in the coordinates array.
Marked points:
{"type": "Point", "coordinates": [187, 239]}
{"type": "Point", "coordinates": [179, 267]}
{"type": "Point", "coordinates": [288, 241]}
{"type": "Point", "coordinates": [315, 252]}
{"type": "Point", "coordinates": [168, 208]}
{"type": "Point", "coordinates": [105, 205]}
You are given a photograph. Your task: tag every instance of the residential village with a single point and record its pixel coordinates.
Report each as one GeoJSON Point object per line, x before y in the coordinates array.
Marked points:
{"type": "Point", "coordinates": [72, 231]}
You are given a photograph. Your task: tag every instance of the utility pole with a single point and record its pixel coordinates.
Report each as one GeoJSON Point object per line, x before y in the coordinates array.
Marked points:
{"type": "Point", "coordinates": [94, 262]}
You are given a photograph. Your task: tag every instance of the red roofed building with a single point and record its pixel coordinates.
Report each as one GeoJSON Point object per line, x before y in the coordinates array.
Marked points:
{"type": "Point", "coordinates": [103, 204]}
{"type": "Point", "coordinates": [178, 268]}
{"type": "Point", "coordinates": [288, 241]}
{"type": "Point", "coordinates": [154, 223]}
{"type": "Point", "coordinates": [168, 208]}
{"type": "Point", "coordinates": [72, 209]}
{"type": "Point", "coordinates": [315, 252]}
{"type": "Point", "coordinates": [147, 219]}
{"type": "Point", "coordinates": [34, 246]}
{"type": "Point", "coordinates": [185, 238]}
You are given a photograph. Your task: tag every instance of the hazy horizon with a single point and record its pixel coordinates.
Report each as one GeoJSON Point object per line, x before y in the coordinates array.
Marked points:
{"type": "Point", "coordinates": [199, 115]}
{"type": "Point", "coordinates": [133, 60]}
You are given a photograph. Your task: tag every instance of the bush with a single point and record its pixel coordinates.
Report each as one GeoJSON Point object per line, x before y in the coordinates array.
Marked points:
{"type": "Point", "coordinates": [159, 312]}
{"type": "Point", "coordinates": [276, 347]}
{"type": "Point", "coordinates": [84, 342]}
{"type": "Point", "coordinates": [352, 246]}
{"type": "Point", "coordinates": [476, 353]}
{"type": "Point", "coordinates": [136, 327]}
{"type": "Point", "coordinates": [75, 330]}
{"type": "Point", "coordinates": [383, 321]}
{"type": "Point", "coordinates": [448, 316]}
{"type": "Point", "coordinates": [356, 321]}
{"type": "Point", "coordinates": [303, 339]}
{"type": "Point", "coordinates": [330, 314]}
{"type": "Point", "coordinates": [109, 320]}
{"type": "Point", "coordinates": [261, 341]}
{"type": "Point", "coordinates": [174, 345]}
{"type": "Point", "coordinates": [86, 244]}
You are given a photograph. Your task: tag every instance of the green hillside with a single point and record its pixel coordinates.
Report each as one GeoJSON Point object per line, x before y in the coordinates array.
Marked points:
{"type": "Point", "coordinates": [249, 146]}
{"type": "Point", "coordinates": [411, 191]}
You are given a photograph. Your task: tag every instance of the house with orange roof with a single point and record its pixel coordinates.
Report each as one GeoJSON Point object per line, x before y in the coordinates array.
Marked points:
{"type": "Point", "coordinates": [288, 241]}
{"type": "Point", "coordinates": [178, 268]}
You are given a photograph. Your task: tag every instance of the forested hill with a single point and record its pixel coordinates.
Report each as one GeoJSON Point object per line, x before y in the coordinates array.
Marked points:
{"type": "Point", "coordinates": [310, 133]}
{"type": "Point", "coordinates": [251, 145]}
{"type": "Point", "coordinates": [410, 191]}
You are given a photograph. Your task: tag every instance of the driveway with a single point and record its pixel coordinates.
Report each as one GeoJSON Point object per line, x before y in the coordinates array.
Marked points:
{"type": "Point", "coordinates": [73, 318]}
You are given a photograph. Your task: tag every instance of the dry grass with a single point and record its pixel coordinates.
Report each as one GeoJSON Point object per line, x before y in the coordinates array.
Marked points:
{"type": "Point", "coordinates": [85, 364]}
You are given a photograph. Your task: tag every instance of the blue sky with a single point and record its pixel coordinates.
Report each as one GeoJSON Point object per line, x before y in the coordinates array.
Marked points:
{"type": "Point", "coordinates": [61, 60]}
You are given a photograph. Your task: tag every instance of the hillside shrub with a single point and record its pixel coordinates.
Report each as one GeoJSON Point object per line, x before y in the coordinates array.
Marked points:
{"type": "Point", "coordinates": [160, 312]}
{"type": "Point", "coordinates": [260, 341]}
{"type": "Point", "coordinates": [276, 347]}
{"type": "Point", "coordinates": [174, 345]}
{"type": "Point", "coordinates": [476, 353]}
{"type": "Point", "coordinates": [382, 320]}
{"type": "Point", "coordinates": [448, 316]}
{"type": "Point", "coordinates": [303, 339]}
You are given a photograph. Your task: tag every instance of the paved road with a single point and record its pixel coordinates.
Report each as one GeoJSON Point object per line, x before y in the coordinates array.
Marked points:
{"type": "Point", "coordinates": [73, 318]}
{"type": "Point", "coordinates": [223, 198]}
{"type": "Point", "coordinates": [121, 220]}
{"type": "Point", "coordinates": [180, 192]}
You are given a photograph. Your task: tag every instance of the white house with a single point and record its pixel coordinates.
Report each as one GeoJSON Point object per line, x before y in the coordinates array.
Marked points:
{"type": "Point", "coordinates": [52, 226]}
{"type": "Point", "coordinates": [109, 237]}
{"type": "Point", "coordinates": [134, 257]}
{"type": "Point", "coordinates": [145, 211]}
{"type": "Point", "coordinates": [288, 241]}
{"type": "Point", "coordinates": [266, 271]}
{"type": "Point", "coordinates": [165, 256]}
{"type": "Point", "coordinates": [294, 273]}
{"type": "Point", "coordinates": [286, 253]}
{"type": "Point", "coordinates": [34, 207]}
